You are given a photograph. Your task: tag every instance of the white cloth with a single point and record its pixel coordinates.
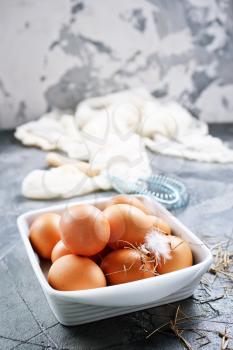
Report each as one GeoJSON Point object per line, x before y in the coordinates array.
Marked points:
{"type": "Point", "coordinates": [112, 133]}
{"type": "Point", "coordinates": [63, 182]}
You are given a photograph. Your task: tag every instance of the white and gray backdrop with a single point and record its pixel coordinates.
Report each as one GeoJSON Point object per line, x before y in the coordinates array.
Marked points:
{"type": "Point", "coordinates": [57, 52]}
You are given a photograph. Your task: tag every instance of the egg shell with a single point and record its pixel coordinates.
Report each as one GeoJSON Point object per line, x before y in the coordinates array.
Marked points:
{"type": "Point", "coordinates": [59, 250]}
{"type": "Point", "coordinates": [44, 233]}
{"type": "Point", "coordinates": [130, 225]}
{"type": "Point", "coordinates": [84, 229]}
{"type": "Point", "coordinates": [160, 225]}
{"type": "Point", "coordinates": [72, 272]}
{"type": "Point", "coordinates": [181, 256]}
{"type": "Point", "coordinates": [126, 265]}
{"type": "Point", "coordinates": [124, 199]}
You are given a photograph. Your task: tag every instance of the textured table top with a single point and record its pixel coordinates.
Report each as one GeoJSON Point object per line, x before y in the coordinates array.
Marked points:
{"type": "Point", "coordinates": [26, 321]}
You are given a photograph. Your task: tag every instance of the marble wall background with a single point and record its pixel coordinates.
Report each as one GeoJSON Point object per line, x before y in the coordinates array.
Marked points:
{"type": "Point", "coordinates": [57, 52]}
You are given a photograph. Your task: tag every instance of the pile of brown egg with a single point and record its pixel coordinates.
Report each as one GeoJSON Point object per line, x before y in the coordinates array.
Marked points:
{"type": "Point", "coordinates": [92, 248]}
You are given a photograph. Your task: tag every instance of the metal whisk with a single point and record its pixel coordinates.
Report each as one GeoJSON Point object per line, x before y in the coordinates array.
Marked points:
{"type": "Point", "coordinates": [166, 190]}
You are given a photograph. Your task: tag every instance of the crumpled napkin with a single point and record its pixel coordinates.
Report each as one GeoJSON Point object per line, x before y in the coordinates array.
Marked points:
{"type": "Point", "coordinates": [112, 133]}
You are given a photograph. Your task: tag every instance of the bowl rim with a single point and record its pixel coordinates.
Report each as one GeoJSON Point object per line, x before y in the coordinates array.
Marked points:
{"type": "Point", "coordinates": [22, 222]}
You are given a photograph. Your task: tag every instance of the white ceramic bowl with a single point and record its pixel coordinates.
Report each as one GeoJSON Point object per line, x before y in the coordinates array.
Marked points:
{"type": "Point", "coordinates": [78, 307]}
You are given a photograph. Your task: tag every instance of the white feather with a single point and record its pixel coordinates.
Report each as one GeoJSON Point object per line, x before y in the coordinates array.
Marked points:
{"type": "Point", "coordinates": [157, 243]}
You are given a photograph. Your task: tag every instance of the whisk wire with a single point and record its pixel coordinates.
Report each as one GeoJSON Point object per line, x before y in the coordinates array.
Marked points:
{"type": "Point", "coordinates": [167, 190]}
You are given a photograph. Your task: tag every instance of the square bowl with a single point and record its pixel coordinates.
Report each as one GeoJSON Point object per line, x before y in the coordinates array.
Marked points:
{"type": "Point", "coordinates": [79, 307]}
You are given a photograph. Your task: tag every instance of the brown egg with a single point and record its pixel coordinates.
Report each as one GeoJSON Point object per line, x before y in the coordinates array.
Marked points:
{"type": "Point", "coordinates": [59, 250]}
{"type": "Point", "coordinates": [181, 256]}
{"type": "Point", "coordinates": [160, 225]}
{"type": "Point", "coordinates": [72, 272]}
{"type": "Point", "coordinates": [84, 229]}
{"type": "Point", "coordinates": [124, 199]}
{"type": "Point", "coordinates": [129, 224]}
{"type": "Point", "coordinates": [126, 265]}
{"type": "Point", "coordinates": [45, 233]}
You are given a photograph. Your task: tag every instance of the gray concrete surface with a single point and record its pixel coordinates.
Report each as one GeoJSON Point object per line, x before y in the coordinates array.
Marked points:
{"type": "Point", "coordinates": [26, 321]}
